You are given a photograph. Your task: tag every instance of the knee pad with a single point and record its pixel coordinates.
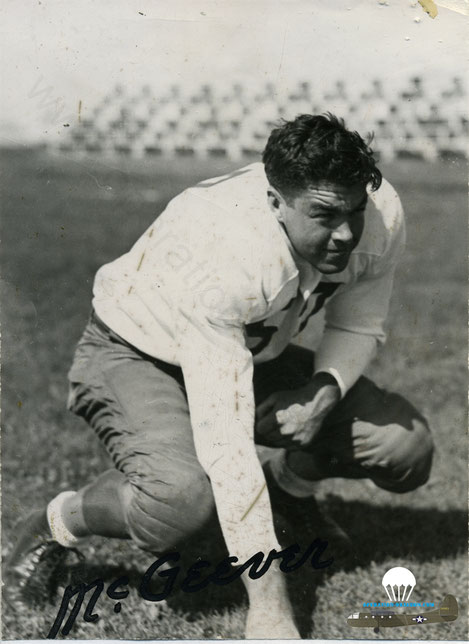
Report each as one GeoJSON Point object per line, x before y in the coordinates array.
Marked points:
{"type": "Point", "coordinates": [162, 514]}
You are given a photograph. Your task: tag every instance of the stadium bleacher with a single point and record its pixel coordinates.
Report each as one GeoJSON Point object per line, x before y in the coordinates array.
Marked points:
{"type": "Point", "coordinates": [416, 119]}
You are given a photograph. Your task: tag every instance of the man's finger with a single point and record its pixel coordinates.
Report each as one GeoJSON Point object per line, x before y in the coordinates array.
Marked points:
{"type": "Point", "coordinates": [288, 429]}
{"type": "Point", "coordinates": [296, 414]}
{"type": "Point", "coordinates": [362, 455]}
{"type": "Point", "coordinates": [362, 429]}
{"type": "Point", "coordinates": [274, 439]}
{"type": "Point", "coordinates": [302, 437]}
{"type": "Point", "coordinates": [265, 406]}
{"type": "Point", "coordinates": [267, 424]}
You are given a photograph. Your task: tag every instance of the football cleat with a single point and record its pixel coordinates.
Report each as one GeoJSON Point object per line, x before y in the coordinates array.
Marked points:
{"type": "Point", "coordinates": [36, 566]}
{"type": "Point", "coordinates": [306, 520]}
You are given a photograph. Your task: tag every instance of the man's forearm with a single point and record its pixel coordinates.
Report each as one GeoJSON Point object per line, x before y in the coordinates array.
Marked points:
{"type": "Point", "coordinates": [345, 354]}
{"type": "Point", "coordinates": [218, 373]}
{"type": "Point", "coordinates": [243, 504]}
{"type": "Point", "coordinates": [247, 525]}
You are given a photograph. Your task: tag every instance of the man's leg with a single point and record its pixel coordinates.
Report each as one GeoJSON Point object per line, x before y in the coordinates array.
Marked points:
{"type": "Point", "coordinates": [371, 434]}
{"type": "Point", "coordinates": [99, 507]}
{"type": "Point", "coordinates": [158, 494]}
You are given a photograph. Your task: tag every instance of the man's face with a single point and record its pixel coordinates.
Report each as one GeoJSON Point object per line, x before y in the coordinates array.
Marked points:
{"type": "Point", "coordinates": [324, 222]}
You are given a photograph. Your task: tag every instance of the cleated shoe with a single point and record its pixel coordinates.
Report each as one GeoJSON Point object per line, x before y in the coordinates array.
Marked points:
{"type": "Point", "coordinates": [36, 566]}
{"type": "Point", "coordinates": [305, 520]}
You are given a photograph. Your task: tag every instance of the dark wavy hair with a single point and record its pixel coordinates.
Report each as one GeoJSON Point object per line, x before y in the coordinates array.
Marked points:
{"type": "Point", "coordinates": [318, 148]}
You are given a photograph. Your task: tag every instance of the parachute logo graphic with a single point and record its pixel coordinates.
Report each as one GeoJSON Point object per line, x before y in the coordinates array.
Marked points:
{"type": "Point", "coordinates": [396, 579]}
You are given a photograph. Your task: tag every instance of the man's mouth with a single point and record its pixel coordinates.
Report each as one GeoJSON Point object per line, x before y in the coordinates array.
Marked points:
{"type": "Point", "coordinates": [335, 251]}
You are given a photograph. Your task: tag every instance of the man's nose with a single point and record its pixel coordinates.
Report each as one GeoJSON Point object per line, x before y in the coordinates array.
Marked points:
{"type": "Point", "coordinates": [343, 233]}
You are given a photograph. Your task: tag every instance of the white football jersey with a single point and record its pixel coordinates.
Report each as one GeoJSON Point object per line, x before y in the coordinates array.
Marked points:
{"type": "Point", "coordinates": [218, 254]}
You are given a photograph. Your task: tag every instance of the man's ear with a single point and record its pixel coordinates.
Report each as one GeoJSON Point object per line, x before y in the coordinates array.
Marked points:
{"type": "Point", "coordinates": [275, 201]}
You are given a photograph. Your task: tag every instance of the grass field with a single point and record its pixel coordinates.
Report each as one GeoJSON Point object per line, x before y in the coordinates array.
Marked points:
{"type": "Point", "coordinates": [62, 219]}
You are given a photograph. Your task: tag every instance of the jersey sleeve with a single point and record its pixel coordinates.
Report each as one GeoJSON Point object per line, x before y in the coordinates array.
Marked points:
{"type": "Point", "coordinates": [355, 318]}
{"type": "Point", "coordinates": [218, 375]}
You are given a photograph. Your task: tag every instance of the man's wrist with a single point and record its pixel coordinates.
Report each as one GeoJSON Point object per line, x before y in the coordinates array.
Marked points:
{"type": "Point", "coordinates": [323, 394]}
{"type": "Point", "coordinates": [323, 380]}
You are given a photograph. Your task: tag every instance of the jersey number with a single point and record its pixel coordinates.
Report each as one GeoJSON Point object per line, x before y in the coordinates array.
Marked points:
{"type": "Point", "coordinates": [324, 290]}
{"type": "Point", "coordinates": [258, 330]}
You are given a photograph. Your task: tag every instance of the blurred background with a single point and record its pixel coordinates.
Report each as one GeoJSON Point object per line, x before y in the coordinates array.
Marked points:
{"type": "Point", "coordinates": [107, 112]}
{"type": "Point", "coordinates": [212, 78]}
{"type": "Point", "coordinates": [418, 118]}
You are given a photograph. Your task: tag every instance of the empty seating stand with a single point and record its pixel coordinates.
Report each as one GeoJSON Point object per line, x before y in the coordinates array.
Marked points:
{"type": "Point", "coordinates": [417, 120]}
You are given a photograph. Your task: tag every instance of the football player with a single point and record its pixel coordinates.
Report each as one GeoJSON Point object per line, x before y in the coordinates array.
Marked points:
{"type": "Point", "coordinates": [187, 363]}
